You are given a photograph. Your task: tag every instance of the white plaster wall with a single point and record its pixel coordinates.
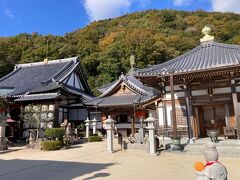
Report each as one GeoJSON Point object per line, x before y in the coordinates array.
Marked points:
{"type": "Point", "coordinates": [176, 95]}
{"type": "Point", "coordinates": [154, 113]}
{"type": "Point", "coordinates": [222, 90]}
{"type": "Point", "coordinates": [160, 115]}
{"type": "Point", "coordinates": [238, 88]}
{"type": "Point", "coordinates": [176, 87]}
{"type": "Point", "coordinates": [169, 109]}
{"type": "Point", "coordinates": [200, 92]}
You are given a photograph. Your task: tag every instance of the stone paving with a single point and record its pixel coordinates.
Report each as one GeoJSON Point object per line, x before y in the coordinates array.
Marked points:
{"type": "Point", "coordinates": [92, 161]}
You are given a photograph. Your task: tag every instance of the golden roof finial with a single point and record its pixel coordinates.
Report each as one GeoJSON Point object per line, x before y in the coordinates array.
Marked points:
{"type": "Point", "coordinates": [206, 32]}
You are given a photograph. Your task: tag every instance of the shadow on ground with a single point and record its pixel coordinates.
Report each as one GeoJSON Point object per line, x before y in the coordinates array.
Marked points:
{"type": "Point", "coordinates": [50, 170]}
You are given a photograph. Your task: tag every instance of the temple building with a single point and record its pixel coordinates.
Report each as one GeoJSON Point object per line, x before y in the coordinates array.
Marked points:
{"type": "Point", "coordinates": [45, 93]}
{"type": "Point", "coordinates": [200, 89]}
{"type": "Point", "coordinates": [127, 100]}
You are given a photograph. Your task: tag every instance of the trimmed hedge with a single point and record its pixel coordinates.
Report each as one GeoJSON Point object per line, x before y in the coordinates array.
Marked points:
{"type": "Point", "coordinates": [54, 133]}
{"type": "Point", "coordinates": [51, 145]}
{"type": "Point", "coordinates": [95, 139]}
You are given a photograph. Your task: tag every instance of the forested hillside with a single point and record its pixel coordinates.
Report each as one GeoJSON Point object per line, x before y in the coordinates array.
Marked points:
{"type": "Point", "coordinates": [105, 46]}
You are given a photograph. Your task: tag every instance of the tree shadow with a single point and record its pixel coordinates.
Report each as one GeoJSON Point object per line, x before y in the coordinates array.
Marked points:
{"type": "Point", "coordinates": [49, 170]}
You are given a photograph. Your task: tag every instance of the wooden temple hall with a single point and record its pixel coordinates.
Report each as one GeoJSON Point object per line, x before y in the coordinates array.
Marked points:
{"type": "Point", "coordinates": [200, 89]}
{"type": "Point", "coordinates": [128, 101]}
{"type": "Point", "coordinates": [42, 94]}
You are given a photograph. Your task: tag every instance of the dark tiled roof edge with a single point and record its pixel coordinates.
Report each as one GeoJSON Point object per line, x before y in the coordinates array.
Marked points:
{"type": "Point", "coordinates": [156, 69]}
{"type": "Point", "coordinates": [10, 74]}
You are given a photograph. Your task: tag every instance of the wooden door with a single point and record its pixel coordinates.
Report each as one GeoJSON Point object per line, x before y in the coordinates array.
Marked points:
{"type": "Point", "coordinates": [202, 128]}
{"type": "Point", "coordinates": [220, 114]}
{"type": "Point", "coordinates": [211, 117]}
{"type": "Point", "coordinates": [208, 116]}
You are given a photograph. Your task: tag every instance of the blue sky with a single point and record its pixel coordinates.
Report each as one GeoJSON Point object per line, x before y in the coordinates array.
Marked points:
{"type": "Point", "coordinates": [61, 16]}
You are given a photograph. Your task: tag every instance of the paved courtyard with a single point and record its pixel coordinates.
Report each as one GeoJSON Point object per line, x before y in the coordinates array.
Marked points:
{"type": "Point", "coordinates": [91, 161]}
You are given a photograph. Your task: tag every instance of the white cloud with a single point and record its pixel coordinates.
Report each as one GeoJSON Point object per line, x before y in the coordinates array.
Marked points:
{"type": "Point", "coordinates": [182, 2]}
{"type": "Point", "coordinates": [103, 9]}
{"type": "Point", "coordinates": [226, 5]}
{"type": "Point", "coordinates": [9, 13]}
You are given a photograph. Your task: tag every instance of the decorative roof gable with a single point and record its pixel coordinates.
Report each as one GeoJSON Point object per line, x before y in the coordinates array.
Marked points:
{"type": "Point", "coordinates": [135, 92]}
{"type": "Point", "coordinates": [123, 83]}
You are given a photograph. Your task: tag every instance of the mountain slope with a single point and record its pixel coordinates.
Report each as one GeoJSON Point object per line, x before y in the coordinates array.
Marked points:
{"type": "Point", "coordinates": [104, 47]}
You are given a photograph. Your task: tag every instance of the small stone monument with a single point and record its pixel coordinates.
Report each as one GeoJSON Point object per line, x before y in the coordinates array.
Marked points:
{"type": "Point", "coordinates": [140, 135]}
{"type": "Point", "coordinates": [212, 169]}
{"type": "Point", "coordinates": [68, 129]}
{"type": "Point", "coordinates": [109, 127]}
{"type": "Point", "coordinates": [31, 140]}
{"type": "Point", "coordinates": [3, 142]}
{"type": "Point", "coordinates": [151, 130]}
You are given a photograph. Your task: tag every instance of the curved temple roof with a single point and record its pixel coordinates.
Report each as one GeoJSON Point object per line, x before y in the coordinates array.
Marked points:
{"type": "Point", "coordinates": [31, 76]}
{"type": "Point", "coordinates": [208, 55]}
{"type": "Point", "coordinates": [142, 93]}
{"type": "Point", "coordinates": [27, 80]}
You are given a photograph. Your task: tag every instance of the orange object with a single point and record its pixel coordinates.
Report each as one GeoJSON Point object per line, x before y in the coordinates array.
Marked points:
{"type": "Point", "coordinates": [199, 166]}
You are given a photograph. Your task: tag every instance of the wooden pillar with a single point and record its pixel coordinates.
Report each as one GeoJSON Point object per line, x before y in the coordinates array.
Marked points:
{"type": "Point", "coordinates": [133, 120]}
{"type": "Point", "coordinates": [173, 107]}
{"type": "Point", "coordinates": [189, 113]}
{"type": "Point", "coordinates": [165, 114]}
{"type": "Point", "coordinates": [196, 130]}
{"type": "Point", "coordinates": [227, 115]}
{"type": "Point", "coordinates": [235, 106]}
{"type": "Point", "coordinates": [56, 115]}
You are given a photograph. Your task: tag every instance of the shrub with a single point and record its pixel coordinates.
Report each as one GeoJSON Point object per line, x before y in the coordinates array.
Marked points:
{"type": "Point", "coordinates": [51, 145]}
{"type": "Point", "coordinates": [54, 133]}
{"type": "Point", "coordinates": [95, 139]}
{"type": "Point", "coordinates": [81, 134]}
{"type": "Point", "coordinates": [81, 127]}
{"type": "Point", "coordinates": [94, 134]}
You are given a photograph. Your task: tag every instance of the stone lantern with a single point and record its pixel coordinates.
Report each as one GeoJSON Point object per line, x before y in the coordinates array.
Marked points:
{"type": "Point", "coordinates": [87, 124]}
{"type": "Point", "coordinates": [3, 142]}
{"type": "Point", "coordinates": [151, 128]}
{"type": "Point", "coordinates": [94, 125]}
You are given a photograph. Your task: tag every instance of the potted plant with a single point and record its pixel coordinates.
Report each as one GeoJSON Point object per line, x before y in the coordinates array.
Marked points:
{"type": "Point", "coordinates": [176, 143]}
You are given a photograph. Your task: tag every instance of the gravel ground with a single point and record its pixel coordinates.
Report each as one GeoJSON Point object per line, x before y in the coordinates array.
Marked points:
{"type": "Point", "coordinates": [91, 161]}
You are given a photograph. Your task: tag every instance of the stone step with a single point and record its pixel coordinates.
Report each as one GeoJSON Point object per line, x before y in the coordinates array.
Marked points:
{"type": "Point", "coordinates": [136, 146]}
{"type": "Point", "coordinates": [221, 153]}
{"type": "Point", "coordinates": [232, 150]}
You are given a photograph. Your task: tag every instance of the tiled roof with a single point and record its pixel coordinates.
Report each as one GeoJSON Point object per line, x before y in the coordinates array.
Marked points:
{"type": "Point", "coordinates": [34, 97]}
{"type": "Point", "coordinates": [141, 93]}
{"type": "Point", "coordinates": [120, 100]}
{"type": "Point", "coordinates": [78, 92]}
{"type": "Point", "coordinates": [49, 87]}
{"type": "Point", "coordinates": [130, 81]}
{"type": "Point", "coordinates": [36, 76]}
{"type": "Point", "coordinates": [105, 87]}
{"type": "Point", "coordinates": [206, 56]}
